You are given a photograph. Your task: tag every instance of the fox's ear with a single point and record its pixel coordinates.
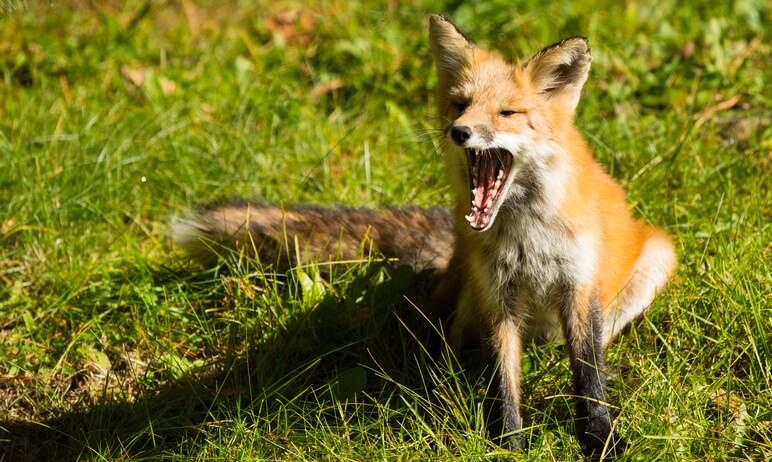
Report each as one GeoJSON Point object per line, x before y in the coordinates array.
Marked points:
{"type": "Point", "coordinates": [452, 50]}
{"type": "Point", "coordinates": [560, 70]}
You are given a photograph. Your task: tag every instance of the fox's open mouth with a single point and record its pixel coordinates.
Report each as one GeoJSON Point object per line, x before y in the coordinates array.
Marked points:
{"type": "Point", "coordinates": [489, 171]}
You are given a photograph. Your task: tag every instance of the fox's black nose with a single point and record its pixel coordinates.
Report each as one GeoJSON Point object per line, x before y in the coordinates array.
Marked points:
{"type": "Point", "coordinates": [460, 134]}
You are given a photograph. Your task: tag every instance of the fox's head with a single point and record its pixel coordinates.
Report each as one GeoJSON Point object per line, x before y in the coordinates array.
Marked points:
{"type": "Point", "coordinates": [502, 119]}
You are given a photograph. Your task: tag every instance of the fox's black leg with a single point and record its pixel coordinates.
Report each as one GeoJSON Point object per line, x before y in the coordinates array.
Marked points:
{"type": "Point", "coordinates": [584, 335]}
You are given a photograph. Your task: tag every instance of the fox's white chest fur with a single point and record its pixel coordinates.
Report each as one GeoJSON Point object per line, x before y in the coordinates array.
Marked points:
{"type": "Point", "coordinates": [526, 254]}
{"type": "Point", "coordinates": [531, 256]}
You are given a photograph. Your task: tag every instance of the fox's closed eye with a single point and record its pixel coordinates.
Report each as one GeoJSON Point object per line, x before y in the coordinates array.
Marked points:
{"type": "Point", "coordinates": [460, 106]}
{"type": "Point", "coordinates": [509, 112]}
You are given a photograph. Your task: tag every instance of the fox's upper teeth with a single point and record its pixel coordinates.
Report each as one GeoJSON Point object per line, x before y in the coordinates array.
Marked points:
{"type": "Point", "coordinates": [469, 217]}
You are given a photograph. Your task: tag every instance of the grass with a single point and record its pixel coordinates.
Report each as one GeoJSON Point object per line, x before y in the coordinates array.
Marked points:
{"type": "Point", "coordinates": [115, 115]}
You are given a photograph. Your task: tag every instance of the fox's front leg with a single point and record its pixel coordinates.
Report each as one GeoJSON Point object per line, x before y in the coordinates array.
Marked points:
{"type": "Point", "coordinates": [508, 345]}
{"type": "Point", "coordinates": [580, 314]}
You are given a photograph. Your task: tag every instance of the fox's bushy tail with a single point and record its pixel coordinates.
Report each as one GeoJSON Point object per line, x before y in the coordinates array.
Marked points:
{"type": "Point", "coordinates": [420, 238]}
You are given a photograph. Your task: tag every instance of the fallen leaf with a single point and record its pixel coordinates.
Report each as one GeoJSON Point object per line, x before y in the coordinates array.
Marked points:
{"type": "Point", "coordinates": [731, 402]}
{"type": "Point", "coordinates": [7, 225]}
{"type": "Point", "coordinates": [323, 88]}
{"type": "Point", "coordinates": [688, 49]}
{"type": "Point", "coordinates": [193, 17]}
{"type": "Point", "coordinates": [747, 52]}
{"type": "Point", "coordinates": [708, 113]}
{"type": "Point", "coordinates": [133, 75]}
{"type": "Point", "coordinates": [743, 128]}
{"type": "Point", "coordinates": [293, 27]}
{"type": "Point", "coordinates": [724, 399]}
{"type": "Point", "coordinates": [65, 86]}
{"type": "Point", "coordinates": [168, 87]}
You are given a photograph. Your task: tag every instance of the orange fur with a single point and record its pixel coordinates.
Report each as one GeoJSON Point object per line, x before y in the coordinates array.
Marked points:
{"type": "Point", "coordinates": [591, 202]}
{"type": "Point", "coordinates": [544, 237]}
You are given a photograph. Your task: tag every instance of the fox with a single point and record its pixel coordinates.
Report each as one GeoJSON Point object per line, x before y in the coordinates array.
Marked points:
{"type": "Point", "coordinates": [539, 243]}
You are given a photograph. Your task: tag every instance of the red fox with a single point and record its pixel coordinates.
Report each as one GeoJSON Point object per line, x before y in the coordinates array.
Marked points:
{"type": "Point", "coordinates": [540, 240]}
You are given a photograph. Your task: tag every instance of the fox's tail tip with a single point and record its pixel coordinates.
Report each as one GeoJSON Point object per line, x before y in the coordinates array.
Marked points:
{"type": "Point", "coordinates": [182, 229]}
{"type": "Point", "coordinates": [187, 232]}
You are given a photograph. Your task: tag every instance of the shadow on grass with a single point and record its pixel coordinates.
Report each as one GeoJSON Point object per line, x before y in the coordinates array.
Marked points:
{"type": "Point", "coordinates": [325, 345]}
{"type": "Point", "coordinates": [320, 356]}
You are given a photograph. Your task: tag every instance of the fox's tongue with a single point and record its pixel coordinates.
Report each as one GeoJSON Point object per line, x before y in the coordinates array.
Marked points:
{"type": "Point", "coordinates": [487, 174]}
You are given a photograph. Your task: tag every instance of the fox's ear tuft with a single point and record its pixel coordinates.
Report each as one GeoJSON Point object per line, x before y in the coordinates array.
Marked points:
{"type": "Point", "coordinates": [561, 69]}
{"type": "Point", "coordinates": [451, 48]}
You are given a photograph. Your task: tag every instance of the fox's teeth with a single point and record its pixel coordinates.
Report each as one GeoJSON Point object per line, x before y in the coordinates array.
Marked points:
{"type": "Point", "coordinates": [469, 217]}
{"type": "Point", "coordinates": [500, 175]}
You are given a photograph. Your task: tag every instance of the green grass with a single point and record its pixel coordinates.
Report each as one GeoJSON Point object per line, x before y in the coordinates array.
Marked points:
{"type": "Point", "coordinates": [115, 347]}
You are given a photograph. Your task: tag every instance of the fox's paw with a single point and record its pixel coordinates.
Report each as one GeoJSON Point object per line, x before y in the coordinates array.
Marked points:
{"type": "Point", "coordinates": [511, 443]}
{"type": "Point", "coordinates": [599, 442]}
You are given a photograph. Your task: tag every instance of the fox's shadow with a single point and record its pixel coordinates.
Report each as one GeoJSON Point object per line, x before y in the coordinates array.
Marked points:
{"type": "Point", "coordinates": [313, 356]}
{"type": "Point", "coordinates": [325, 354]}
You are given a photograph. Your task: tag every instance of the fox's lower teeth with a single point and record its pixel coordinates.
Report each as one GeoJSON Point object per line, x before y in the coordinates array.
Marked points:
{"type": "Point", "coordinates": [487, 178]}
